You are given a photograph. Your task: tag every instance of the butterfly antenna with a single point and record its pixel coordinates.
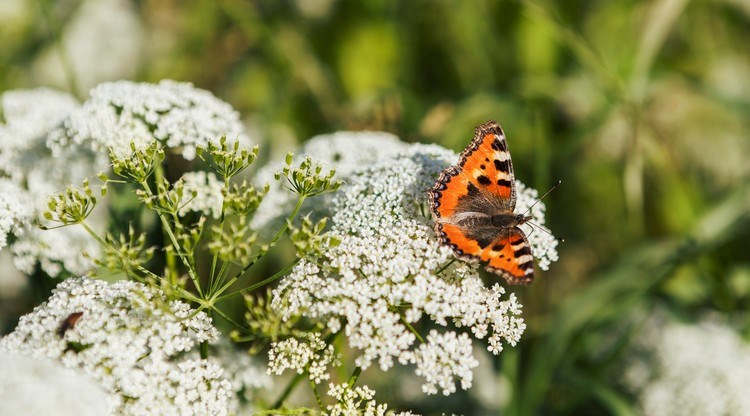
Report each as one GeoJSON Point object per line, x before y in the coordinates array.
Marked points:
{"type": "Point", "coordinates": [542, 197]}
{"type": "Point", "coordinates": [536, 202]}
{"type": "Point", "coordinates": [535, 226]}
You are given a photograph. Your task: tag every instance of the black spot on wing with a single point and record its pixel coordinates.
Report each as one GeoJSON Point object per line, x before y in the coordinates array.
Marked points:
{"type": "Point", "coordinates": [504, 182]}
{"type": "Point", "coordinates": [498, 144]}
{"type": "Point", "coordinates": [522, 251]}
{"type": "Point", "coordinates": [502, 166]}
{"type": "Point", "coordinates": [484, 180]}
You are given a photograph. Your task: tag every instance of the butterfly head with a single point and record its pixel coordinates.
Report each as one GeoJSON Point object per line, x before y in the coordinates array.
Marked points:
{"type": "Point", "coordinates": [505, 220]}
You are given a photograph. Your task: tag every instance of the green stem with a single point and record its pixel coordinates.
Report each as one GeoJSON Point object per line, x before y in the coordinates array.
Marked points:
{"type": "Point", "coordinates": [204, 349]}
{"type": "Point", "coordinates": [442, 269]}
{"type": "Point", "coordinates": [250, 288]}
{"type": "Point", "coordinates": [228, 319]}
{"type": "Point", "coordinates": [291, 218]}
{"type": "Point", "coordinates": [355, 375]}
{"type": "Point", "coordinates": [411, 328]}
{"type": "Point", "coordinates": [169, 255]}
{"type": "Point", "coordinates": [287, 391]}
{"type": "Point", "coordinates": [317, 395]}
{"type": "Point", "coordinates": [94, 234]}
{"type": "Point", "coordinates": [213, 278]}
{"type": "Point", "coordinates": [167, 228]}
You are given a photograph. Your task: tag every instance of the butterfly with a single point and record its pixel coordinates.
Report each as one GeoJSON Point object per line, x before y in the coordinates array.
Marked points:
{"type": "Point", "coordinates": [473, 205]}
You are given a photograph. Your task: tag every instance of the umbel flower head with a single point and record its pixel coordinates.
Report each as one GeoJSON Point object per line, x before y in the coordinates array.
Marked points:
{"type": "Point", "coordinates": [129, 339]}
{"type": "Point", "coordinates": [30, 173]}
{"type": "Point", "coordinates": [690, 369]}
{"type": "Point", "coordinates": [389, 271]}
{"type": "Point", "coordinates": [176, 114]}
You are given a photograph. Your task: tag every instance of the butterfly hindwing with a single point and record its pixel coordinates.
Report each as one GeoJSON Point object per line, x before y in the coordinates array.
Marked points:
{"type": "Point", "coordinates": [510, 256]}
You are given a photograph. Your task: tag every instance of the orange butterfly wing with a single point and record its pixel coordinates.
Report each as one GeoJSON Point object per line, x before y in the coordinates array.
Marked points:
{"type": "Point", "coordinates": [510, 257]}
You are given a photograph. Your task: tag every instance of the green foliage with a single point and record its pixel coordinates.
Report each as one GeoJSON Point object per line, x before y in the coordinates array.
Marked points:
{"type": "Point", "coordinates": [265, 323]}
{"type": "Point", "coordinates": [125, 253]}
{"type": "Point", "coordinates": [309, 239]}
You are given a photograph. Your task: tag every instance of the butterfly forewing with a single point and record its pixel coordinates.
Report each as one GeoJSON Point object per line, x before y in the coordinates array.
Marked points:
{"type": "Point", "coordinates": [487, 165]}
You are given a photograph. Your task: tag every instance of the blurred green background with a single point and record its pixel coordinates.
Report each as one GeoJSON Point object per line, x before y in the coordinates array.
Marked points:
{"type": "Point", "coordinates": [641, 108]}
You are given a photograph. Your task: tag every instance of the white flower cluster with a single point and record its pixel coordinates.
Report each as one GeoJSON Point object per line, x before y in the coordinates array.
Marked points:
{"type": "Point", "coordinates": [208, 199]}
{"type": "Point", "coordinates": [309, 353]}
{"type": "Point", "coordinates": [357, 401]}
{"type": "Point", "coordinates": [128, 338]}
{"type": "Point", "coordinates": [176, 114]}
{"type": "Point", "coordinates": [32, 174]}
{"type": "Point", "coordinates": [16, 210]}
{"type": "Point", "coordinates": [698, 369]}
{"type": "Point", "coordinates": [39, 386]}
{"type": "Point", "coordinates": [344, 151]}
{"type": "Point", "coordinates": [443, 357]}
{"type": "Point", "coordinates": [387, 272]}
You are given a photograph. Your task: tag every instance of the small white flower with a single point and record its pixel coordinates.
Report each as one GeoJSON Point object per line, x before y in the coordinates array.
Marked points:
{"type": "Point", "coordinates": [40, 386]}
{"type": "Point", "coordinates": [208, 193]}
{"type": "Point", "coordinates": [309, 353]}
{"type": "Point", "coordinates": [129, 339]}
{"type": "Point", "coordinates": [69, 248]}
{"type": "Point", "coordinates": [176, 114]}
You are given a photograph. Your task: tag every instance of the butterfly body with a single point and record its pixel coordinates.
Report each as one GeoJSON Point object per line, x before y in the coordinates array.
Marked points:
{"type": "Point", "coordinates": [473, 205]}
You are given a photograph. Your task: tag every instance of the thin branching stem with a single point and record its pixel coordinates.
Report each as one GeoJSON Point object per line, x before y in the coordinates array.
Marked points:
{"type": "Point", "coordinates": [168, 230]}
{"type": "Point", "coordinates": [275, 238]}
{"type": "Point", "coordinates": [353, 378]}
{"type": "Point", "coordinates": [317, 395]}
{"type": "Point", "coordinates": [287, 391]}
{"type": "Point", "coordinates": [260, 284]}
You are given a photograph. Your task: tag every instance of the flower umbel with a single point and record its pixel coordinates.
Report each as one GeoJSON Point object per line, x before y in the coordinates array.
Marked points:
{"type": "Point", "coordinates": [389, 272]}
{"type": "Point", "coordinates": [129, 339]}
{"type": "Point", "coordinates": [305, 354]}
{"type": "Point", "coordinates": [175, 114]}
